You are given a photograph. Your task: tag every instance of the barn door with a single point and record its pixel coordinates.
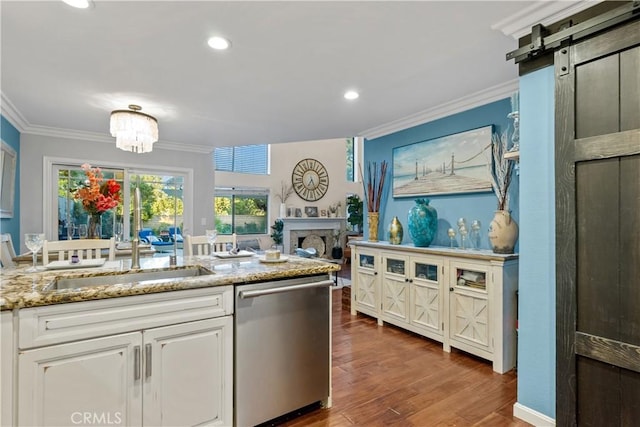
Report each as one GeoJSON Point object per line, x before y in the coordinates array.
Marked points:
{"type": "Point", "coordinates": [598, 229]}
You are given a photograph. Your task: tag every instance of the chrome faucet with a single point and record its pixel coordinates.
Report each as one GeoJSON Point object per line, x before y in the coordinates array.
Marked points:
{"type": "Point", "coordinates": [135, 248]}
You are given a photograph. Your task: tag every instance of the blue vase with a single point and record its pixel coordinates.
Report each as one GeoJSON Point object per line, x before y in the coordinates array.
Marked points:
{"type": "Point", "coordinates": [423, 223]}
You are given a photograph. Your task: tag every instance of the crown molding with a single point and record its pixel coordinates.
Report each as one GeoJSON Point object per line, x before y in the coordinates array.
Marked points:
{"type": "Point", "coordinates": [541, 12]}
{"type": "Point", "coordinates": [24, 127]}
{"type": "Point", "coordinates": [11, 113]}
{"type": "Point", "coordinates": [495, 93]}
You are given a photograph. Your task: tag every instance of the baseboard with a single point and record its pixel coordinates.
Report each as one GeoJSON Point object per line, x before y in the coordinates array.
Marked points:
{"type": "Point", "coordinates": [532, 417]}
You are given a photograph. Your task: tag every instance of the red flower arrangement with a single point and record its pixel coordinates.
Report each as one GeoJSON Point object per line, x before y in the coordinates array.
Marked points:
{"type": "Point", "coordinates": [98, 196]}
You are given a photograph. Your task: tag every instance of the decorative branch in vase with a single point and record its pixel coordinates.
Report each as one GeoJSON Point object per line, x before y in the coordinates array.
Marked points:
{"type": "Point", "coordinates": [286, 191]}
{"type": "Point", "coordinates": [373, 190]}
{"type": "Point", "coordinates": [502, 170]}
{"type": "Point", "coordinates": [503, 230]}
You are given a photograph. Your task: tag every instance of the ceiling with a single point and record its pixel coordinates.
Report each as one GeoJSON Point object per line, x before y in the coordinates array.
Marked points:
{"type": "Point", "coordinates": [64, 69]}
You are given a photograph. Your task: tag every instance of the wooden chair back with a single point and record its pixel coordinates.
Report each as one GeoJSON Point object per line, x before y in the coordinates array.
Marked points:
{"type": "Point", "coordinates": [199, 245]}
{"type": "Point", "coordinates": [85, 248]}
{"type": "Point", "coordinates": [7, 251]}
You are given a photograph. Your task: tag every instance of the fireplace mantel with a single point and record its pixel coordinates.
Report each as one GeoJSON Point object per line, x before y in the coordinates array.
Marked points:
{"type": "Point", "coordinates": [321, 226]}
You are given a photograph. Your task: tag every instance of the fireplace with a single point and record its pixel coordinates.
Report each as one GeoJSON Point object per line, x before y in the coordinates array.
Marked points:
{"type": "Point", "coordinates": [296, 230]}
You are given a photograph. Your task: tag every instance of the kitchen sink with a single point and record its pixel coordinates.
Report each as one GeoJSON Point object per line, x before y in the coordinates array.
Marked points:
{"type": "Point", "coordinates": [113, 279]}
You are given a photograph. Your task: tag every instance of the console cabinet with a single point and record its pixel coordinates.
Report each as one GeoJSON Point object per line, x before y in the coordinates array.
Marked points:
{"type": "Point", "coordinates": [465, 299]}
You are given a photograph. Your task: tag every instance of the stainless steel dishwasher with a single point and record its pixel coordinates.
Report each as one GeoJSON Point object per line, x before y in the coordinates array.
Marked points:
{"type": "Point", "coordinates": [282, 347]}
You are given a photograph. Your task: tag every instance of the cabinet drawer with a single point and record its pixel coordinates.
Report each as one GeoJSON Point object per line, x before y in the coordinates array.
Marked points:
{"type": "Point", "coordinates": [54, 324]}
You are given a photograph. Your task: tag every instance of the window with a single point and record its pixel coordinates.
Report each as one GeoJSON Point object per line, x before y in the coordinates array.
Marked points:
{"type": "Point", "coordinates": [163, 194]}
{"type": "Point", "coordinates": [244, 159]}
{"type": "Point", "coordinates": [352, 159]}
{"type": "Point", "coordinates": [71, 215]}
{"type": "Point", "coordinates": [241, 210]}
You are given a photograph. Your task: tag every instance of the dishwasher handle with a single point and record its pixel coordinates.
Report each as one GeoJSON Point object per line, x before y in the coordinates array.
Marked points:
{"type": "Point", "coordinates": [281, 289]}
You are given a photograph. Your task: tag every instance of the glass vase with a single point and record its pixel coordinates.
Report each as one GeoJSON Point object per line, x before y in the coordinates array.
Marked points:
{"type": "Point", "coordinates": [423, 223]}
{"type": "Point", "coordinates": [94, 227]}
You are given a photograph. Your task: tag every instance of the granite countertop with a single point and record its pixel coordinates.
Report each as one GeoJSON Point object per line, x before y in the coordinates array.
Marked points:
{"type": "Point", "coordinates": [21, 289]}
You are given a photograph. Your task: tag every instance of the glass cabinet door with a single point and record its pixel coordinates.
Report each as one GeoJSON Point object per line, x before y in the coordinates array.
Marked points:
{"type": "Point", "coordinates": [471, 279]}
{"type": "Point", "coordinates": [425, 271]}
{"type": "Point", "coordinates": [395, 266]}
{"type": "Point", "coordinates": [366, 261]}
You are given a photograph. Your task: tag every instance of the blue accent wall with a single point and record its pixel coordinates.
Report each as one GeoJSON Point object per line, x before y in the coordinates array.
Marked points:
{"type": "Point", "coordinates": [11, 136]}
{"type": "Point", "coordinates": [471, 206]}
{"type": "Point", "coordinates": [537, 302]}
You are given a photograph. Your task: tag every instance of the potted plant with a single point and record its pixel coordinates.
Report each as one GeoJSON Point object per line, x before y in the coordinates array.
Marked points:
{"type": "Point", "coordinates": [354, 210]}
{"type": "Point", "coordinates": [276, 233]}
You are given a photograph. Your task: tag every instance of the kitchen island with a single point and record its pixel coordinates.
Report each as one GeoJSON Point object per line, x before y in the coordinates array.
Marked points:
{"type": "Point", "coordinates": [139, 352]}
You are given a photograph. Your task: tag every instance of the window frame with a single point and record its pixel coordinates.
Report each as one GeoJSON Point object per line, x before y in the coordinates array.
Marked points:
{"type": "Point", "coordinates": [267, 160]}
{"type": "Point", "coordinates": [232, 192]}
{"type": "Point", "coordinates": [50, 195]}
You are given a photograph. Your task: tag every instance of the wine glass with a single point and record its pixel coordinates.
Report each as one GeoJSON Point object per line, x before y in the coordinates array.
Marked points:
{"type": "Point", "coordinates": [118, 231]}
{"type": "Point", "coordinates": [212, 235]}
{"type": "Point", "coordinates": [71, 230]}
{"type": "Point", "coordinates": [34, 242]}
{"type": "Point", "coordinates": [452, 236]}
{"type": "Point", "coordinates": [474, 236]}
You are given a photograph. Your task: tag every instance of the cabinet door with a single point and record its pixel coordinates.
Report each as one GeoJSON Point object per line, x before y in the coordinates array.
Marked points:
{"type": "Point", "coordinates": [469, 307]}
{"type": "Point", "coordinates": [367, 282]}
{"type": "Point", "coordinates": [91, 382]}
{"type": "Point", "coordinates": [395, 289]}
{"type": "Point", "coordinates": [426, 296]}
{"type": "Point", "coordinates": [188, 374]}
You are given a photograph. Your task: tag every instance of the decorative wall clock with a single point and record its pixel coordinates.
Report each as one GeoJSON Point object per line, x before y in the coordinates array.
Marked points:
{"type": "Point", "coordinates": [310, 180]}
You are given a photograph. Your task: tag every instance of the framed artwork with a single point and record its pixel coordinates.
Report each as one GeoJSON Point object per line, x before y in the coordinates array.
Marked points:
{"type": "Point", "coordinates": [458, 163]}
{"type": "Point", "coordinates": [8, 159]}
{"type": "Point", "coordinates": [311, 211]}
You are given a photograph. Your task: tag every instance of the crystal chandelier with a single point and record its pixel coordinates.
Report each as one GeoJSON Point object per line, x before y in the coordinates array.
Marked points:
{"type": "Point", "coordinates": [134, 131]}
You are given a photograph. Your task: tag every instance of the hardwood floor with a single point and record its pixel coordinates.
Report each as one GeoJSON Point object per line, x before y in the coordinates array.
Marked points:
{"type": "Point", "coordinates": [387, 376]}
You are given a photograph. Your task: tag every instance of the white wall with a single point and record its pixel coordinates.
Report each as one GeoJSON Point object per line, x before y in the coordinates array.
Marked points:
{"type": "Point", "coordinates": [34, 148]}
{"type": "Point", "coordinates": [330, 152]}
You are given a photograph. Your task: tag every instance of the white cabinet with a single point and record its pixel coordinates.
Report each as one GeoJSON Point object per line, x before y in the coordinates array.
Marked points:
{"type": "Point", "coordinates": [91, 381]}
{"type": "Point", "coordinates": [411, 292]}
{"type": "Point", "coordinates": [153, 360]}
{"type": "Point", "coordinates": [469, 307]}
{"type": "Point", "coordinates": [395, 289]}
{"type": "Point", "coordinates": [366, 296]}
{"type": "Point", "coordinates": [188, 372]}
{"type": "Point", "coordinates": [465, 299]}
{"type": "Point", "coordinates": [426, 296]}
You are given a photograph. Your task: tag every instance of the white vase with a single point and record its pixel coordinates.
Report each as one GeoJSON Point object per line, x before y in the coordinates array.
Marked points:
{"type": "Point", "coordinates": [503, 233]}
{"type": "Point", "coordinates": [283, 210]}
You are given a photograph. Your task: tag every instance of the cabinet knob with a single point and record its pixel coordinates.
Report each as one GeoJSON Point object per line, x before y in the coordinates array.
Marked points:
{"type": "Point", "coordinates": [375, 273]}
{"type": "Point", "coordinates": [450, 289]}
{"type": "Point", "coordinates": [406, 280]}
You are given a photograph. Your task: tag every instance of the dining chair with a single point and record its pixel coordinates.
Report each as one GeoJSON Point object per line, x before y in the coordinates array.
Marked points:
{"type": "Point", "coordinates": [7, 251]}
{"type": "Point", "coordinates": [84, 248]}
{"type": "Point", "coordinates": [199, 245]}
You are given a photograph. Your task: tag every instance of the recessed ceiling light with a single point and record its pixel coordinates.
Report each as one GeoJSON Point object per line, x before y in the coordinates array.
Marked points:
{"type": "Point", "coordinates": [80, 4]}
{"type": "Point", "coordinates": [219, 43]}
{"type": "Point", "coordinates": [351, 95]}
